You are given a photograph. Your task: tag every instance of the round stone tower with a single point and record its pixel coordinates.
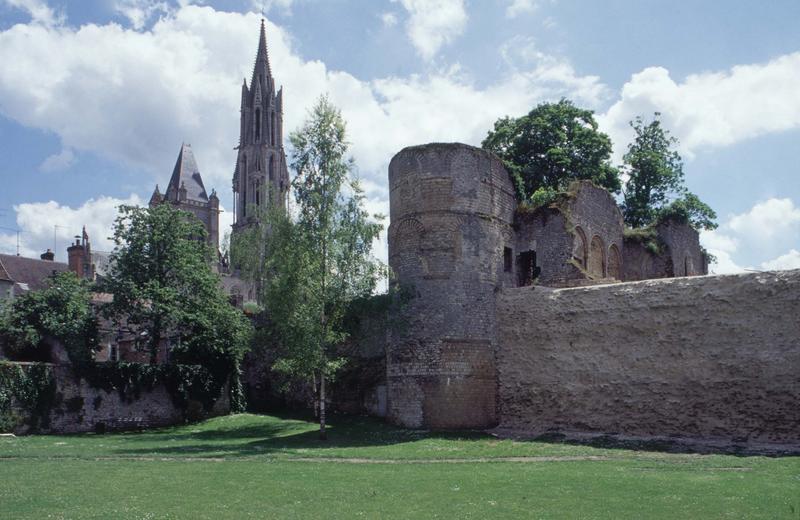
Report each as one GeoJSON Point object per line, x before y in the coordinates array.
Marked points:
{"type": "Point", "coordinates": [451, 208]}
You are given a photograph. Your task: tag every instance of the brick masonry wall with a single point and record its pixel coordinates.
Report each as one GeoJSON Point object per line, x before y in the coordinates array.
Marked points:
{"type": "Point", "coordinates": [709, 358]}
{"type": "Point", "coordinates": [80, 408]}
{"type": "Point", "coordinates": [639, 263]}
{"type": "Point", "coordinates": [683, 248]}
{"type": "Point", "coordinates": [556, 233]}
{"type": "Point", "coordinates": [451, 209]}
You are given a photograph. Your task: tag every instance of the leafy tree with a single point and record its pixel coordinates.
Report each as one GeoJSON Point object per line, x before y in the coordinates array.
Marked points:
{"type": "Point", "coordinates": [164, 287]}
{"type": "Point", "coordinates": [655, 188]}
{"type": "Point", "coordinates": [62, 311]}
{"type": "Point", "coordinates": [316, 264]}
{"type": "Point", "coordinates": [554, 144]}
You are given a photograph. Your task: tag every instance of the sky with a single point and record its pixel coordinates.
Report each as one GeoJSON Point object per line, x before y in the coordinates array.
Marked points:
{"type": "Point", "coordinates": [96, 96]}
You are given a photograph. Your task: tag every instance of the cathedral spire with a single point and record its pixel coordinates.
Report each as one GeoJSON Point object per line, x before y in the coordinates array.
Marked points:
{"type": "Point", "coordinates": [262, 68]}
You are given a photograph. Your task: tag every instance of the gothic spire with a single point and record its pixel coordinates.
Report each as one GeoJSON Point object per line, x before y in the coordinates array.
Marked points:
{"type": "Point", "coordinates": [262, 67]}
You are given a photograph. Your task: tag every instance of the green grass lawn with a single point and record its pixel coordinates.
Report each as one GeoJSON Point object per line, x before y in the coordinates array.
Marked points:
{"type": "Point", "coordinates": [249, 466]}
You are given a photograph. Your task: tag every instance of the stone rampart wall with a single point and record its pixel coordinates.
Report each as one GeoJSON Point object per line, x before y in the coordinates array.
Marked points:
{"type": "Point", "coordinates": [79, 408]}
{"type": "Point", "coordinates": [713, 358]}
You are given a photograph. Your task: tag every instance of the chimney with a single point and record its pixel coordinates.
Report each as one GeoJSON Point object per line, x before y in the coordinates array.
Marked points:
{"type": "Point", "coordinates": [48, 255]}
{"type": "Point", "coordinates": [76, 255]}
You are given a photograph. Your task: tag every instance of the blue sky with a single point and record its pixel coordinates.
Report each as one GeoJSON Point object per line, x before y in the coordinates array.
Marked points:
{"type": "Point", "coordinates": [96, 96]}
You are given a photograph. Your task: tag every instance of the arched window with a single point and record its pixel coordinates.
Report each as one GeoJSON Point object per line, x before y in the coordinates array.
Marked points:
{"type": "Point", "coordinates": [614, 263]}
{"type": "Point", "coordinates": [597, 261]}
{"type": "Point", "coordinates": [272, 169]}
{"type": "Point", "coordinates": [579, 248]}
{"type": "Point", "coordinates": [258, 124]}
{"type": "Point", "coordinates": [258, 193]}
{"type": "Point", "coordinates": [272, 128]}
{"type": "Point", "coordinates": [244, 187]}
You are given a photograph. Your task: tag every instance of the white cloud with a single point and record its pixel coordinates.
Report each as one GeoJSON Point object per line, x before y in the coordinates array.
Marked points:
{"type": "Point", "coordinates": [40, 221]}
{"type": "Point", "coordinates": [518, 7]}
{"type": "Point", "coordinates": [58, 162]}
{"type": "Point", "coordinates": [712, 109]}
{"type": "Point", "coordinates": [38, 10]}
{"type": "Point", "coordinates": [766, 229]}
{"type": "Point", "coordinates": [139, 12]}
{"type": "Point", "coordinates": [433, 23]}
{"type": "Point", "coordinates": [723, 263]}
{"type": "Point", "coordinates": [389, 19]}
{"type": "Point", "coordinates": [790, 260]}
{"type": "Point", "coordinates": [767, 220]}
{"type": "Point", "coordinates": [134, 96]}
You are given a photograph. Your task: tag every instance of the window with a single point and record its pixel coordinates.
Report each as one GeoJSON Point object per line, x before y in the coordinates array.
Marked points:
{"type": "Point", "coordinates": [508, 259]}
{"type": "Point", "coordinates": [258, 124]}
{"type": "Point", "coordinates": [113, 352]}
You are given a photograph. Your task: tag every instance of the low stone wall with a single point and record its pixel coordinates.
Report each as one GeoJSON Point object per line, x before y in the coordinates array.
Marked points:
{"type": "Point", "coordinates": [77, 407]}
{"type": "Point", "coordinates": [715, 359]}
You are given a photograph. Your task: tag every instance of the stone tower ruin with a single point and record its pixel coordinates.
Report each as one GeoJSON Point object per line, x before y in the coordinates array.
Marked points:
{"type": "Point", "coordinates": [452, 209]}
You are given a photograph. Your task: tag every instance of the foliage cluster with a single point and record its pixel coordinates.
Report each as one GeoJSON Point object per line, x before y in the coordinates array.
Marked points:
{"type": "Point", "coordinates": [62, 312]}
{"type": "Point", "coordinates": [655, 189]}
{"type": "Point", "coordinates": [646, 236]}
{"type": "Point", "coordinates": [557, 143]}
{"type": "Point", "coordinates": [33, 387]}
{"type": "Point", "coordinates": [184, 383]}
{"type": "Point", "coordinates": [309, 267]}
{"type": "Point", "coordinates": [164, 287]}
{"type": "Point", "coordinates": [551, 146]}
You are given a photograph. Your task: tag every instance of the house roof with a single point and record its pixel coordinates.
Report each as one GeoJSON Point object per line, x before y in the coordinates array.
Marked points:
{"type": "Point", "coordinates": [187, 174]}
{"type": "Point", "coordinates": [30, 273]}
{"type": "Point", "coordinates": [4, 276]}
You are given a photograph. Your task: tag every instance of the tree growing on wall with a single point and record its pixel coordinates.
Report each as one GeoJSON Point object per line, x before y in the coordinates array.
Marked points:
{"type": "Point", "coordinates": [316, 263]}
{"type": "Point", "coordinates": [62, 312]}
{"type": "Point", "coordinates": [655, 187]}
{"type": "Point", "coordinates": [551, 146]}
{"type": "Point", "coordinates": [164, 288]}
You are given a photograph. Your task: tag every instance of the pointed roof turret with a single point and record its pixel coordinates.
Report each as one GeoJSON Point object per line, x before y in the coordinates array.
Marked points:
{"type": "Point", "coordinates": [262, 67]}
{"type": "Point", "coordinates": [186, 176]}
{"type": "Point", "coordinates": [155, 198]}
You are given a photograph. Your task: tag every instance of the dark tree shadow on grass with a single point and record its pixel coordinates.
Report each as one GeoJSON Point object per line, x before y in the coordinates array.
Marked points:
{"type": "Point", "coordinates": [282, 436]}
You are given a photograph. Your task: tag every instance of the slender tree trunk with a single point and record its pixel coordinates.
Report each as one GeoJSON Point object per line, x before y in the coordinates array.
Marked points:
{"type": "Point", "coordinates": [315, 391]}
{"type": "Point", "coordinates": [323, 435]}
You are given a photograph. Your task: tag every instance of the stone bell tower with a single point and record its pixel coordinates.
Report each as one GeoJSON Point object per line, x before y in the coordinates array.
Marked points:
{"type": "Point", "coordinates": [261, 177]}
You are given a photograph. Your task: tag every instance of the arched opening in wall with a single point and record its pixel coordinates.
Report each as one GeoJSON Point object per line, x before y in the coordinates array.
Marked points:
{"type": "Point", "coordinates": [614, 263]}
{"type": "Point", "coordinates": [272, 128]}
{"type": "Point", "coordinates": [596, 262]}
{"type": "Point", "coordinates": [688, 267]}
{"type": "Point", "coordinates": [579, 248]}
{"type": "Point", "coordinates": [404, 245]}
{"type": "Point", "coordinates": [527, 269]}
{"type": "Point", "coordinates": [258, 124]}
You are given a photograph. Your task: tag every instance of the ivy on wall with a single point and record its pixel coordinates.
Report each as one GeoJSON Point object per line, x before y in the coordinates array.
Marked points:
{"type": "Point", "coordinates": [33, 388]}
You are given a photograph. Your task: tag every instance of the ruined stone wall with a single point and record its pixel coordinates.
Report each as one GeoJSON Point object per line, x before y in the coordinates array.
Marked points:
{"type": "Point", "coordinates": [711, 358]}
{"type": "Point", "coordinates": [451, 213]}
{"type": "Point", "coordinates": [545, 231]}
{"type": "Point", "coordinates": [595, 212]}
{"type": "Point", "coordinates": [683, 248]}
{"type": "Point", "coordinates": [640, 263]}
{"type": "Point", "coordinates": [80, 408]}
{"type": "Point", "coordinates": [577, 239]}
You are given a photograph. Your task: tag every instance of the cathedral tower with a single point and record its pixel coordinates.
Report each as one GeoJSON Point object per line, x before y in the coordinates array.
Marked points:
{"type": "Point", "coordinates": [261, 177]}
